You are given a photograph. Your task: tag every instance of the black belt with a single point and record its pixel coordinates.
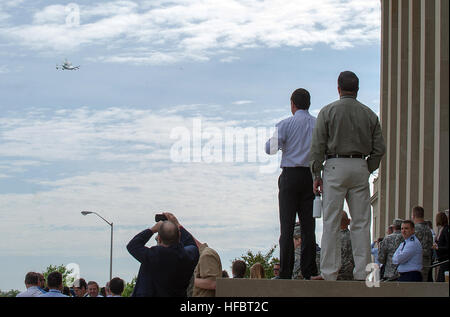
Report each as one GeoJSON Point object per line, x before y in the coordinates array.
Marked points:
{"type": "Point", "coordinates": [345, 156]}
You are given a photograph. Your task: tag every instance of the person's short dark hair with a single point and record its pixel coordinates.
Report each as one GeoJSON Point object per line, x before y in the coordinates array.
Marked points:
{"type": "Point", "coordinates": [348, 81]}
{"type": "Point", "coordinates": [169, 233]}
{"type": "Point", "coordinates": [116, 286]}
{"type": "Point", "coordinates": [301, 99]}
{"type": "Point", "coordinates": [225, 274]}
{"type": "Point", "coordinates": [41, 277]}
{"type": "Point", "coordinates": [93, 283]}
{"type": "Point", "coordinates": [81, 283]}
{"type": "Point", "coordinates": [441, 219]}
{"type": "Point", "coordinates": [32, 278]}
{"type": "Point", "coordinates": [410, 222]}
{"type": "Point", "coordinates": [66, 291]}
{"type": "Point", "coordinates": [418, 212]}
{"type": "Point", "coordinates": [238, 269]}
{"type": "Point", "coordinates": [54, 279]}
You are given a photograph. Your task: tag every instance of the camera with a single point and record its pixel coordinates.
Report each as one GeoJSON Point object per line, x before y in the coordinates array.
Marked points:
{"type": "Point", "coordinates": [160, 217]}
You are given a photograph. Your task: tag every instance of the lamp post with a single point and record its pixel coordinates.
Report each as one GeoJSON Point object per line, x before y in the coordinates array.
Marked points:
{"type": "Point", "coordinates": [84, 213]}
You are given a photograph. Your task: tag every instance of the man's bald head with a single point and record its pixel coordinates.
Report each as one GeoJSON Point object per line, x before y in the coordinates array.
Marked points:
{"type": "Point", "coordinates": [169, 233]}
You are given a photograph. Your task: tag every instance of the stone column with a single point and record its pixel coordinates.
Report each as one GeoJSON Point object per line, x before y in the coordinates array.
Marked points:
{"type": "Point", "coordinates": [441, 115]}
{"type": "Point", "coordinates": [391, 136]}
{"type": "Point", "coordinates": [380, 209]}
{"type": "Point", "coordinates": [402, 109]}
{"type": "Point", "coordinates": [427, 109]}
{"type": "Point", "coordinates": [412, 132]}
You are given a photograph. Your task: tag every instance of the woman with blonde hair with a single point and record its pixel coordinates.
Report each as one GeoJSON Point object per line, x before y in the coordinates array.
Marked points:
{"type": "Point", "coordinates": [257, 271]}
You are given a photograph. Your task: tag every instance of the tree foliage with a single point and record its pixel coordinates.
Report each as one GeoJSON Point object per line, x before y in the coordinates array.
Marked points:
{"type": "Point", "coordinates": [10, 293]}
{"type": "Point", "coordinates": [266, 260]}
{"type": "Point", "coordinates": [129, 287]}
{"type": "Point", "coordinates": [67, 279]}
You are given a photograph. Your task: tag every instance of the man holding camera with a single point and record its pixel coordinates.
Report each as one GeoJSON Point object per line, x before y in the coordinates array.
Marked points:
{"type": "Point", "coordinates": [166, 269]}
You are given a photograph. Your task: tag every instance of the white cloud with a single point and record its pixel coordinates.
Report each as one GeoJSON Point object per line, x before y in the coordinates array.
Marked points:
{"type": "Point", "coordinates": [178, 30]}
{"type": "Point", "coordinates": [242, 102]}
{"type": "Point", "coordinates": [53, 14]}
{"type": "Point", "coordinates": [229, 59]}
{"type": "Point", "coordinates": [4, 69]}
{"type": "Point", "coordinates": [237, 204]}
{"type": "Point", "coordinates": [240, 201]}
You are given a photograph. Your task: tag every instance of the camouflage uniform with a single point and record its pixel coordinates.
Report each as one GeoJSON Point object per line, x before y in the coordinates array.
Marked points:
{"type": "Point", "coordinates": [296, 272]}
{"type": "Point", "coordinates": [386, 251]}
{"type": "Point", "coordinates": [423, 233]}
{"type": "Point", "coordinates": [318, 258]}
{"type": "Point", "coordinates": [347, 262]}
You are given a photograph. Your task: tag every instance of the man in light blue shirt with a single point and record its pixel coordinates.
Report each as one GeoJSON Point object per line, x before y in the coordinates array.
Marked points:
{"type": "Point", "coordinates": [408, 255]}
{"type": "Point", "coordinates": [55, 285]}
{"type": "Point", "coordinates": [293, 137]}
{"type": "Point", "coordinates": [32, 285]}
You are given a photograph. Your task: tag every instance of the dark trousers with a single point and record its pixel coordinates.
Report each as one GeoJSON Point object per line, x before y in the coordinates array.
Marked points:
{"type": "Point", "coordinates": [441, 275]}
{"type": "Point", "coordinates": [414, 276]}
{"type": "Point", "coordinates": [296, 196]}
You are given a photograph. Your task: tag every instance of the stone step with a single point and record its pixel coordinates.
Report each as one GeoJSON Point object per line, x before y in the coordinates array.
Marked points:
{"type": "Point", "coordinates": [227, 287]}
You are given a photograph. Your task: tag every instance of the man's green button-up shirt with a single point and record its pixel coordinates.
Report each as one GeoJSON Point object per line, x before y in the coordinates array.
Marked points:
{"type": "Point", "coordinates": [346, 127]}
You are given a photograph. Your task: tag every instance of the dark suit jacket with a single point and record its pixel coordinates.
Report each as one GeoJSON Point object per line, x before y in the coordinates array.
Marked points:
{"type": "Point", "coordinates": [442, 251]}
{"type": "Point", "coordinates": [164, 271]}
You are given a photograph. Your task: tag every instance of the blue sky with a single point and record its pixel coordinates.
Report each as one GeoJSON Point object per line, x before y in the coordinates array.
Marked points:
{"type": "Point", "coordinates": [100, 138]}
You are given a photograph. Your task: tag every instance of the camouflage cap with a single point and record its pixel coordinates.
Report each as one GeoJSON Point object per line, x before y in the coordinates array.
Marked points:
{"type": "Point", "coordinates": [397, 222]}
{"type": "Point", "coordinates": [297, 231]}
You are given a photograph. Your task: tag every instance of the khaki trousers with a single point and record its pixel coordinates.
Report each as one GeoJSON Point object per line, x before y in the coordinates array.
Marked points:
{"type": "Point", "coordinates": [345, 178]}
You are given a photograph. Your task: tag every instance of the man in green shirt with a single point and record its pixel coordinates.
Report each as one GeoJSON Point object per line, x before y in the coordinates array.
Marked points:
{"type": "Point", "coordinates": [347, 136]}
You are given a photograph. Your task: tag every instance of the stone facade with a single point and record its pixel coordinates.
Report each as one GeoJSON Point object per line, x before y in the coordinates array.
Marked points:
{"type": "Point", "coordinates": [414, 111]}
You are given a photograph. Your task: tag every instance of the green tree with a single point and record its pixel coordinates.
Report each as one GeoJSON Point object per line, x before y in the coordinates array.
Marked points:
{"type": "Point", "coordinates": [10, 293]}
{"type": "Point", "coordinates": [267, 261]}
{"type": "Point", "coordinates": [129, 287]}
{"type": "Point", "coordinates": [67, 279]}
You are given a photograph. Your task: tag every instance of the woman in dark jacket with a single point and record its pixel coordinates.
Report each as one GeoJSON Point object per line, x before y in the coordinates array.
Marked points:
{"type": "Point", "coordinates": [441, 244]}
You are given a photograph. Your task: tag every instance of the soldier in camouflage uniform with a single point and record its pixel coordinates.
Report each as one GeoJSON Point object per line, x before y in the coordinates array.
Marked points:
{"type": "Point", "coordinates": [347, 262]}
{"type": "Point", "coordinates": [387, 249]}
{"type": "Point", "coordinates": [425, 236]}
{"type": "Point", "coordinates": [296, 272]}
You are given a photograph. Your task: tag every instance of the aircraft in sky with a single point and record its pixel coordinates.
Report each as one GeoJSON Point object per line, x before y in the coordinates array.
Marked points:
{"type": "Point", "coordinates": [67, 66]}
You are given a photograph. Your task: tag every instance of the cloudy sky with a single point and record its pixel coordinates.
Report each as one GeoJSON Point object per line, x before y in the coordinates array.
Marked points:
{"type": "Point", "coordinates": [157, 75]}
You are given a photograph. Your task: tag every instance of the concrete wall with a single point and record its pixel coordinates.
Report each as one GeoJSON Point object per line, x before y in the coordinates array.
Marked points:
{"type": "Point", "coordinates": [414, 104]}
{"type": "Point", "coordinates": [302, 288]}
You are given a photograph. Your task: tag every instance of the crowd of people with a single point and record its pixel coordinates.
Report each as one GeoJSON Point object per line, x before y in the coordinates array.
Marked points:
{"type": "Point", "coordinates": [38, 286]}
{"type": "Point", "coordinates": [331, 157]}
{"type": "Point", "coordinates": [407, 253]}
{"type": "Point", "coordinates": [412, 251]}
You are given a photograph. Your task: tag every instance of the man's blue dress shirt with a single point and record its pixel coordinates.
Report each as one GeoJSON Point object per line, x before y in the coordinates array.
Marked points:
{"type": "Point", "coordinates": [53, 293]}
{"type": "Point", "coordinates": [408, 255]}
{"type": "Point", "coordinates": [293, 137]}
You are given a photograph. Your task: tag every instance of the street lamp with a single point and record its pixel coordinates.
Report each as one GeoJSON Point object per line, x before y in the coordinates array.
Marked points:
{"type": "Point", "coordinates": [84, 213]}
